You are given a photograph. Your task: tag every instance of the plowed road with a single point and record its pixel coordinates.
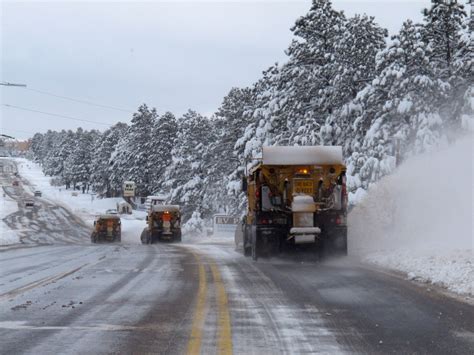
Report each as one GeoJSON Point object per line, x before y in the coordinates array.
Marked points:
{"type": "Point", "coordinates": [59, 294]}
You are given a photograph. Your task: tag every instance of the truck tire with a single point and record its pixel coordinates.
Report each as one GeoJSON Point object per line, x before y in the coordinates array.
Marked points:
{"type": "Point", "coordinates": [254, 248]}
{"type": "Point", "coordinates": [177, 237]}
{"type": "Point", "coordinates": [144, 236]}
{"type": "Point", "coordinates": [247, 243]}
{"type": "Point", "coordinates": [93, 238]}
{"type": "Point", "coordinates": [247, 251]}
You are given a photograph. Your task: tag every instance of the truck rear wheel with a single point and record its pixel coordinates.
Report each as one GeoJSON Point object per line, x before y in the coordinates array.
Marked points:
{"type": "Point", "coordinates": [144, 236]}
{"type": "Point", "coordinates": [254, 247]}
{"type": "Point", "coordinates": [246, 241]}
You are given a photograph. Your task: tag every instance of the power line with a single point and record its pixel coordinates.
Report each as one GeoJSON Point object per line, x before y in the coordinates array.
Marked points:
{"type": "Point", "coordinates": [80, 101]}
{"type": "Point", "coordinates": [57, 115]}
{"type": "Point", "coordinates": [17, 130]}
{"type": "Point", "coordinates": [4, 83]}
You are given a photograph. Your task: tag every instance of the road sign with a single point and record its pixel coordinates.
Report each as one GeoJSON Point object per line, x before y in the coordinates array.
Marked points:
{"type": "Point", "coordinates": [225, 223]}
{"type": "Point", "coordinates": [129, 189]}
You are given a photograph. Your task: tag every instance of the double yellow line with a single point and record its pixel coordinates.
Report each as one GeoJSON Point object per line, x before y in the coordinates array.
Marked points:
{"type": "Point", "coordinates": [224, 342]}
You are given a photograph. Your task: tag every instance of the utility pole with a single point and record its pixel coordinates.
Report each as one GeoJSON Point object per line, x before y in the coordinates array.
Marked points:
{"type": "Point", "coordinates": [13, 84]}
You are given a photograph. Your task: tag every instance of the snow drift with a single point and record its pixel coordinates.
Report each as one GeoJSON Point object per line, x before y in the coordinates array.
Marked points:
{"type": "Point", "coordinates": [420, 219]}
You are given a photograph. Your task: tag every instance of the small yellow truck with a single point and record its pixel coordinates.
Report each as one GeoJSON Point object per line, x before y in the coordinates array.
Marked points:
{"type": "Point", "coordinates": [163, 224]}
{"type": "Point", "coordinates": [107, 228]}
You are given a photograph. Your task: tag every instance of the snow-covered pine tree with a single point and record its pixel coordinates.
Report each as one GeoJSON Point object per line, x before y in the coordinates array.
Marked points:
{"type": "Point", "coordinates": [162, 142]}
{"type": "Point", "coordinates": [185, 176]}
{"type": "Point", "coordinates": [221, 162]}
{"type": "Point", "coordinates": [132, 158]}
{"type": "Point", "coordinates": [354, 58]}
{"type": "Point", "coordinates": [443, 22]}
{"type": "Point", "coordinates": [61, 151]}
{"type": "Point", "coordinates": [260, 116]}
{"type": "Point", "coordinates": [77, 166]}
{"type": "Point", "coordinates": [312, 65]}
{"type": "Point", "coordinates": [464, 72]}
{"type": "Point", "coordinates": [37, 147]}
{"type": "Point", "coordinates": [405, 97]}
{"type": "Point", "coordinates": [442, 31]}
{"type": "Point", "coordinates": [47, 149]}
{"type": "Point", "coordinates": [101, 161]}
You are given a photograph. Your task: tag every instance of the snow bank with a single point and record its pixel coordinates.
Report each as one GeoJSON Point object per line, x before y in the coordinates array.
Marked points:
{"type": "Point", "coordinates": [86, 205]}
{"type": "Point", "coordinates": [420, 219]}
{"type": "Point", "coordinates": [195, 226]}
{"type": "Point", "coordinates": [453, 270]}
{"type": "Point", "coordinates": [7, 206]}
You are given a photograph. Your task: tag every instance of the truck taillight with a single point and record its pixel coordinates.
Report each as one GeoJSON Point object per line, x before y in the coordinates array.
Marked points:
{"type": "Point", "coordinates": [340, 220]}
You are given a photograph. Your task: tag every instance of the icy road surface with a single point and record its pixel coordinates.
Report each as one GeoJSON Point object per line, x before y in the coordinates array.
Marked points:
{"type": "Point", "coordinates": [61, 294]}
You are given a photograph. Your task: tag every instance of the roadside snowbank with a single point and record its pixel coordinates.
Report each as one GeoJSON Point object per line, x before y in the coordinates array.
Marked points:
{"type": "Point", "coordinates": [86, 205]}
{"type": "Point", "coordinates": [7, 206]}
{"type": "Point", "coordinates": [419, 220]}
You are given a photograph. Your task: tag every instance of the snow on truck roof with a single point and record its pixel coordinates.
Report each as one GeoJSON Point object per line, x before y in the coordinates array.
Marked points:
{"type": "Point", "coordinates": [302, 155]}
{"type": "Point", "coordinates": [108, 216]}
{"type": "Point", "coordinates": [164, 208]}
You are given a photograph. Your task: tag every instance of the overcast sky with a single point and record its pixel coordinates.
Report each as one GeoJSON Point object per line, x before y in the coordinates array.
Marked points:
{"type": "Point", "coordinates": [170, 55]}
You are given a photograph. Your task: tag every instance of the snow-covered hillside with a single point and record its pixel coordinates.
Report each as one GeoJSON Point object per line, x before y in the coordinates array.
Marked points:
{"type": "Point", "coordinates": [86, 205]}
{"type": "Point", "coordinates": [420, 219]}
{"type": "Point", "coordinates": [7, 206]}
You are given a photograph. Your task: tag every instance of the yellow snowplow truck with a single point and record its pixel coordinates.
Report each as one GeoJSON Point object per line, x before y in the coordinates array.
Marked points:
{"type": "Point", "coordinates": [107, 228]}
{"type": "Point", "coordinates": [296, 198]}
{"type": "Point", "coordinates": [163, 224]}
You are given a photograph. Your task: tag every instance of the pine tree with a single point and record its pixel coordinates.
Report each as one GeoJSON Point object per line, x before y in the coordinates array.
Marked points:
{"type": "Point", "coordinates": [185, 176]}
{"type": "Point", "coordinates": [220, 161]}
{"type": "Point", "coordinates": [131, 159]}
{"type": "Point", "coordinates": [102, 161]}
{"type": "Point", "coordinates": [77, 166]}
{"type": "Point", "coordinates": [354, 59]}
{"type": "Point", "coordinates": [312, 62]}
{"type": "Point", "coordinates": [403, 99]}
{"type": "Point", "coordinates": [444, 23]}
{"type": "Point", "coordinates": [162, 142]}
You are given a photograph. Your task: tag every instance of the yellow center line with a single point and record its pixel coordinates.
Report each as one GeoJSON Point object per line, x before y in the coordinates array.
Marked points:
{"type": "Point", "coordinates": [194, 344]}
{"type": "Point", "coordinates": [224, 345]}
{"type": "Point", "coordinates": [39, 283]}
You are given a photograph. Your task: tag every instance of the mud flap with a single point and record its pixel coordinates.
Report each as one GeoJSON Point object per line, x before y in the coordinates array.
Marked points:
{"type": "Point", "coordinates": [177, 236]}
{"type": "Point", "coordinates": [337, 241]}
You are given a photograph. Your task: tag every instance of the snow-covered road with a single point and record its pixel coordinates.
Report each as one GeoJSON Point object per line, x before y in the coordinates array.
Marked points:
{"type": "Point", "coordinates": [170, 298]}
